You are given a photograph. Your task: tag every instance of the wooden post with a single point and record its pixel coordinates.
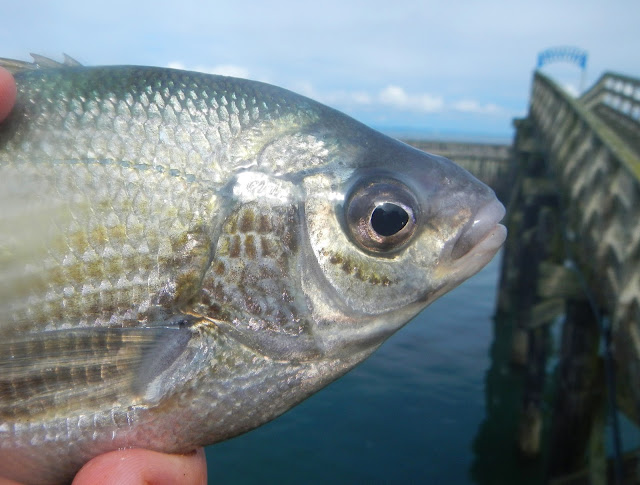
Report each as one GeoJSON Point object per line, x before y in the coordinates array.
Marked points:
{"type": "Point", "coordinates": [579, 390]}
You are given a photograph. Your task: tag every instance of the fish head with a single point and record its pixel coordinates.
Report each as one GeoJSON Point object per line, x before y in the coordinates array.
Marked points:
{"type": "Point", "coordinates": [362, 233]}
{"type": "Point", "coordinates": [389, 229]}
{"type": "Point", "coordinates": [339, 235]}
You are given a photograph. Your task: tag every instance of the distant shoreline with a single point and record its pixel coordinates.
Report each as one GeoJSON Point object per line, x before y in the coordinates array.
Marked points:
{"type": "Point", "coordinates": [425, 136]}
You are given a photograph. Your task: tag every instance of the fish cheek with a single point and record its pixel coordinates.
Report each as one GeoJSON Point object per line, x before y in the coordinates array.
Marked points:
{"type": "Point", "coordinates": [253, 287]}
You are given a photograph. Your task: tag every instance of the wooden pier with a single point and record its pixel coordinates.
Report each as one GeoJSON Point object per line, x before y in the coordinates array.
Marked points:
{"type": "Point", "coordinates": [572, 258]}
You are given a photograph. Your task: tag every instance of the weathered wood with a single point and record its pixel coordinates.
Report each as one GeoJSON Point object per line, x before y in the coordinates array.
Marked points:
{"type": "Point", "coordinates": [579, 390]}
{"type": "Point", "coordinates": [631, 464]}
{"type": "Point", "coordinates": [597, 451]}
{"type": "Point", "coordinates": [546, 311]}
{"type": "Point", "coordinates": [574, 236]}
{"type": "Point", "coordinates": [529, 436]}
{"type": "Point", "coordinates": [530, 431]}
{"type": "Point", "coordinates": [529, 245]}
{"type": "Point", "coordinates": [558, 281]}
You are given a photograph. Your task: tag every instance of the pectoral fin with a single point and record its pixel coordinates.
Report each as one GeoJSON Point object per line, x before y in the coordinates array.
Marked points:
{"type": "Point", "coordinates": [62, 371]}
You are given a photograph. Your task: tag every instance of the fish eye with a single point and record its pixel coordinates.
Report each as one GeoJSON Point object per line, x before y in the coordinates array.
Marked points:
{"type": "Point", "coordinates": [388, 219]}
{"type": "Point", "coordinates": [381, 215]}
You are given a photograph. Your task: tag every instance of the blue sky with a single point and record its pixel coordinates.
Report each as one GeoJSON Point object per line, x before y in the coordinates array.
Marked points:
{"type": "Point", "coordinates": [441, 68]}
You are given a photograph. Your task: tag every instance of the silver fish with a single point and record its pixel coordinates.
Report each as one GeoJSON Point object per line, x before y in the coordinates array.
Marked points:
{"type": "Point", "coordinates": [184, 257]}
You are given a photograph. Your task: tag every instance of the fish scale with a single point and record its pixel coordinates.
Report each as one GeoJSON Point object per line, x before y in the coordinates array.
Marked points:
{"type": "Point", "coordinates": [110, 254]}
{"type": "Point", "coordinates": [184, 257]}
{"type": "Point", "coordinates": [250, 265]}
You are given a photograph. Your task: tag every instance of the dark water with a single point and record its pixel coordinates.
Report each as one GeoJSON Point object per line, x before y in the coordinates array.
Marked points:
{"type": "Point", "coordinates": [409, 414]}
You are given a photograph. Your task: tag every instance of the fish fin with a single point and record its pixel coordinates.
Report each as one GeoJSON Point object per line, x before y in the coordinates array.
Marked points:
{"type": "Point", "coordinates": [47, 62]}
{"type": "Point", "coordinates": [62, 371]}
{"type": "Point", "coordinates": [14, 66]}
{"type": "Point", "coordinates": [39, 62]}
{"type": "Point", "coordinates": [70, 61]}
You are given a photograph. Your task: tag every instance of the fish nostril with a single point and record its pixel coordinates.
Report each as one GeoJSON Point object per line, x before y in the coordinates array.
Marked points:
{"type": "Point", "coordinates": [484, 221]}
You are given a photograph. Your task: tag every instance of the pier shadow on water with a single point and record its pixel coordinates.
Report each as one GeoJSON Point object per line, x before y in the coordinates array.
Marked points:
{"type": "Point", "coordinates": [497, 457]}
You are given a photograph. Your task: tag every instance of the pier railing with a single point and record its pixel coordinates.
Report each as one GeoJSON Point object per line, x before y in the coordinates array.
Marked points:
{"type": "Point", "coordinates": [600, 177]}
{"type": "Point", "coordinates": [615, 98]}
{"type": "Point", "coordinates": [620, 93]}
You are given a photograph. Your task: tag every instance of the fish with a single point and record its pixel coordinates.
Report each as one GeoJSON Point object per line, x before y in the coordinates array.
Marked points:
{"type": "Point", "coordinates": [185, 256]}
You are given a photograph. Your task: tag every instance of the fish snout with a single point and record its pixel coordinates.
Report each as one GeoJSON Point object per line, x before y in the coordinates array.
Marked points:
{"type": "Point", "coordinates": [484, 224]}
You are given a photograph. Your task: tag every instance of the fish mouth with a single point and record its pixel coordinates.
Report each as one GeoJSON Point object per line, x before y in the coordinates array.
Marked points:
{"type": "Point", "coordinates": [483, 233]}
{"type": "Point", "coordinates": [478, 243]}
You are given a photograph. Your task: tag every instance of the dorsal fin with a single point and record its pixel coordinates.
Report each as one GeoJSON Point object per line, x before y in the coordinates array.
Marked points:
{"type": "Point", "coordinates": [39, 62]}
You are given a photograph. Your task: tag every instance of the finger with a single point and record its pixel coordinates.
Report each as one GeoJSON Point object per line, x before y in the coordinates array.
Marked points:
{"type": "Point", "coordinates": [6, 481]}
{"type": "Point", "coordinates": [136, 467]}
{"type": "Point", "coordinates": [7, 92]}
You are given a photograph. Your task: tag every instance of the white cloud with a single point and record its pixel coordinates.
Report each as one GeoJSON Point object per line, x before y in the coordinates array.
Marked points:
{"type": "Point", "coordinates": [572, 89]}
{"type": "Point", "coordinates": [221, 69]}
{"type": "Point", "coordinates": [390, 97]}
{"type": "Point", "coordinates": [333, 98]}
{"type": "Point", "coordinates": [394, 95]}
{"type": "Point", "coordinates": [397, 97]}
{"type": "Point", "coordinates": [473, 106]}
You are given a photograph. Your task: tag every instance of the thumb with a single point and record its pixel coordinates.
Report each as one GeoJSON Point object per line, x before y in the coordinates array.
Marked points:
{"type": "Point", "coordinates": [138, 467]}
{"type": "Point", "coordinates": [7, 93]}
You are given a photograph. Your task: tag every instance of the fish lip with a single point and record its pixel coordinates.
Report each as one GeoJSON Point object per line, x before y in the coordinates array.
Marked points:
{"type": "Point", "coordinates": [477, 257]}
{"type": "Point", "coordinates": [480, 231]}
{"type": "Point", "coordinates": [490, 243]}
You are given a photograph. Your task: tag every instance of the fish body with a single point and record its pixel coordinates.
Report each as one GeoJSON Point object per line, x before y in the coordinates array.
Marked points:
{"type": "Point", "coordinates": [184, 257]}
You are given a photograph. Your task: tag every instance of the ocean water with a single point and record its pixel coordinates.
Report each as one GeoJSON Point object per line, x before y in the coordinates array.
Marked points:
{"type": "Point", "coordinates": [414, 412]}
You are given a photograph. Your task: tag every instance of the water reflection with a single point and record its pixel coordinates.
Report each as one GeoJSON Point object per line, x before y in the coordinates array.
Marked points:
{"type": "Point", "coordinates": [496, 457]}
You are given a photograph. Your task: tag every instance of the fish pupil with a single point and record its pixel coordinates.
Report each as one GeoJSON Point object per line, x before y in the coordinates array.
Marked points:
{"type": "Point", "coordinates": [388, 219]}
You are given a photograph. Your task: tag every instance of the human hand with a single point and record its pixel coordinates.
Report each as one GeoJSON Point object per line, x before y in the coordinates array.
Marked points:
{"type": "Point", "coordinates": [126, 467]}
{"type": "Point", "coordinates": [138, 467]}
{"type": "Point", "coordinates": [129, 467]}
{"type": "Point", "coordinates": [7, 93]}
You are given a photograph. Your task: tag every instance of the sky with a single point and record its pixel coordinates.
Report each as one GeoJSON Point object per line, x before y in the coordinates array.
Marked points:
{"type": "Point", "coordinates": [440, 69]}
